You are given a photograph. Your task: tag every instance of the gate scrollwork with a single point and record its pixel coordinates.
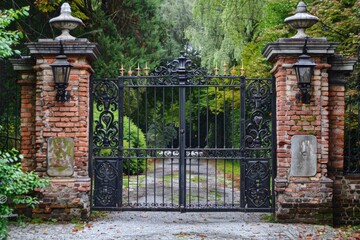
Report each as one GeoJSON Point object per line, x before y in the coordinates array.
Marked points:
{"type": "Point", "coordinates": [106, 104]}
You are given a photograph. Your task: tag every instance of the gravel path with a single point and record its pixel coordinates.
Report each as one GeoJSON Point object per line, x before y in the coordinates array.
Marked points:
{"type": "Point", "coordinates": [205, 185]}
{"type": "Point", "coordinates": [172, 225]}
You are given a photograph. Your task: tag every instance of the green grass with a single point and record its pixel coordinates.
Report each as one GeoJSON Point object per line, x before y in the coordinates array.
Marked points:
{"type": "Point", "coordinates": [268, 217]}
{"type": "Point", "coordinates": [197, 179]}
{"type": "Point", "coordinates": [173, 177]}
{"type": "Point", "coordinates": [228, 166]}
{"type": "Point", "coordinates": [134, 180]}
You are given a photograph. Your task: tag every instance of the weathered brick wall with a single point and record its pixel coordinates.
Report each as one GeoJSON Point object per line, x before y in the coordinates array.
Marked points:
{"type": "Point", "coordinates": [27, 115]}
{"type": "Point", "coordinates": [42, 117]}
{"type": "Point", "coordinates": [337, 126]}
{"type": "Point", "coordinates": [346, 187]}
{"type": "Point", "coordinates": [307, 199]}
{"type": "Point", "coordinates": [69, 119]}
{"type": "Point", "coordinates": [347, 200]}
{"type": "Point", "coordinates": [65, 197]}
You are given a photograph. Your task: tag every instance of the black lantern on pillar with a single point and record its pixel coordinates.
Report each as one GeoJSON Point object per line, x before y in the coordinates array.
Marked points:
{"type": "Point", "coordinates": [304, 69]}
{"type": "Point", "coordinates": [61, 72]}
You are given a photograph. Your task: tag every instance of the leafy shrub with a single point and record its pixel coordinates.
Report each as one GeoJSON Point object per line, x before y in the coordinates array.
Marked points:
{"type": "Point", "coordinates": [133, 138]}
{"type": "Point", "coordinates": [131, 164]}
{"type": "Point", "coordinates": [14, 185]}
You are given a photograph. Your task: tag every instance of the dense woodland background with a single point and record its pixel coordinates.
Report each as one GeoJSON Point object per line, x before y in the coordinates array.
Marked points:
{"type": "Point", "coordinates": [131, 32]}
{"type": "Point", "coordinates": [211, 31]}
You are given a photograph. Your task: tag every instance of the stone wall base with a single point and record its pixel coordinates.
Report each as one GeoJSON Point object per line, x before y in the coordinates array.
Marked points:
{"type": "Point", "coordinates": [347, 200]}
{"type": "Point", "coordinates": [304, 200]}
{"type": "Point", "coordinates": [63, 199]}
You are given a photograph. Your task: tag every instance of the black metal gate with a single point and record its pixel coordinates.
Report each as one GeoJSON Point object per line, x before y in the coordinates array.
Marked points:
{"type": "Point", "coordinates": [182, 140]}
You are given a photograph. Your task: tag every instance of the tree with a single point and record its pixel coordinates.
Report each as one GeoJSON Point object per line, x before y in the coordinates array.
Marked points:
{"type": "Point", "coordinates": [339, 22]}
{"type": "Point", "coordinates": [8, 38]}
{"type": "Point", "coordinates": [223, 28]}
{"type": "Point", "coordinates": [177, 17]}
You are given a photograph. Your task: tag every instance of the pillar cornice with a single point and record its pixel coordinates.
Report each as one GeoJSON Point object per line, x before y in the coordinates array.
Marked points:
{"type": "Point", "coordinates": [78, 47]}
{"type": "Point", "coordinates": [293, 47]}
{"type": "Point", "coordinates": [340, 69]}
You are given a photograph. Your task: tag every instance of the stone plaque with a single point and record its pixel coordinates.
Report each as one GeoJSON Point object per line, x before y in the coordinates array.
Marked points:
{"type": "Point", "coordinates": [303, 156]}
{"type": "Point", "coordinates": [60, 157]}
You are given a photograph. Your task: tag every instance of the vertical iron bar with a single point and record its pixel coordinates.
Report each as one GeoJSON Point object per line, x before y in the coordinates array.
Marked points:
{"type": "Point", "coordinates": [162, 145]}
{"type": "Point", "coordinates": [216, 115]}
{"type": "Point", "coordinates": [172, 146]}
{"type": "Point", "coordinates": [242, 140]}
{"type": "Point", "coordinates": [215, 145]}
{"type": "Point", "coordinates": [182, 167]}
{"type": "Point", "coordinates": [128, 158]}
{"type": "Point", "coordinates": [232, 117]}
{"type": "Point", "coordinates": [224, 143]}
{"type": "Point", "coordinates": [138, 146]}
{"type": "Point", "coordinates": [224, 118]}
{"type": "Point", "coordinates": [155, 144]}
{"type": "Point", "coordinates": [190, 144]}
{"type": "Point", "coordinates": [198, 147]}
{"type": "Point", "coordinates": [121, 137]}
{"type": "Point", "coordinates": [190, 117]}
{"type": "Point", "coordinates": [274, 140]}
{"type": "Point", "coordinates": [147, 141]}
{"type": "Point", "coordinates": [91, 145]}
{"type": "Point", "coordinates": [181, 71]}
{"type": "Point", "coordinates": [198, 118]}
{"type": "Point", "coordinates": [207, 144]}
{"type": "Point", "coordinates": [232, 145]}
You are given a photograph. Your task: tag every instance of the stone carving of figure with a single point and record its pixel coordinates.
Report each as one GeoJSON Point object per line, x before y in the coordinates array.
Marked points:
{"type": "Point", "coordinates": [305, 149]}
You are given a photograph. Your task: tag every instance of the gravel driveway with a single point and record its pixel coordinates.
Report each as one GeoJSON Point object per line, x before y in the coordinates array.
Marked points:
{"type": "Point", "coordinates": [173, 225]}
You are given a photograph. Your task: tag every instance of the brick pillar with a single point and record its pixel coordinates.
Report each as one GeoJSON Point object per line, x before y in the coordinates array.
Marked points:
{"type": "Point", "coordinates": [346, 195]}
{"type": "Point", "coordinates": [43, 118]}
{"type": "Point", "coordinates": [303, 198]}
{"type": "Point", "coordinates": [27, 82]}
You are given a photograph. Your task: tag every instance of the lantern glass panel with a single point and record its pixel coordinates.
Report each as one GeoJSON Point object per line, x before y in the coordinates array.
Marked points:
{"type": "Point", "coordinates": [304, 74]}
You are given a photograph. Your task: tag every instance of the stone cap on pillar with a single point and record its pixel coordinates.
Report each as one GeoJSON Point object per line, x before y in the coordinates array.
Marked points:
{"type": "Point", "coordinates": [24, 63]}
{"type": "Point", "coordinates": [341, 68]}
{"type": "Point", "coordinates": [293, 47]}
{"type": "Point", "coordinates": [79, 46]}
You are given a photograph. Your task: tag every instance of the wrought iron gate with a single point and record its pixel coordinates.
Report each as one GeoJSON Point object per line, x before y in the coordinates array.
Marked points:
{"type": "Point", "coordinates": [182, 140]}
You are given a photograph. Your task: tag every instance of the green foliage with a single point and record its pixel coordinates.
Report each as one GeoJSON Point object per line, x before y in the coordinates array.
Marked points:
{"type": "Point", "coordinates": [133, 138]}
{"type": "Point", "coordinates": [9, 38]}
{"type": "Point", "coordinates": [129, 33]}
{"type": "Point", "coordinates": [15, 184]}
{"type": "Point", "coordinates": [9, 107]}
{"type": "Point", "coordinates": [223, 28]}
{"type": "Point", "coordinates": [339, 22]}
{"type": "Point", "coordinates": [133, 135]}
{"type": "Point", "coordinates": [161, 134]}
{"type": "Point", "coordinates": [177, 17]}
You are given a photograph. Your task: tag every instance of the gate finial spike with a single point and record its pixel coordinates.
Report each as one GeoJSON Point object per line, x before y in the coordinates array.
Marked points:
{"type": "Point", "coordinates": [233, 71]}
{"type": "Point", "coordinates": [225, 68]}
{"type": "Point", "coordinates": [122, 70]}
{"type": "Point", "coordinates": [242, 70]}
{"type": "Point", "coordinates": [146, 69]}
{"type": "Point", "coordinates": [138, 70]}
{"type": "Point", "coordinates": [130, 72]}
{"type": "Point", "coordinates": [216, 70]}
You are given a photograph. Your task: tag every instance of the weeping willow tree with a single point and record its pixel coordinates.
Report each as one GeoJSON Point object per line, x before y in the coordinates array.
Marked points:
{"type": "Point", "coordinates": [223, 28]}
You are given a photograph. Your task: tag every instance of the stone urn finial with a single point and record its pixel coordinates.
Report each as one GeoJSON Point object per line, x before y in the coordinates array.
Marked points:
{"type": "Point", "coordinates": [301, 20]}
{"type": "Point", "coordinates": [65, 22]}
